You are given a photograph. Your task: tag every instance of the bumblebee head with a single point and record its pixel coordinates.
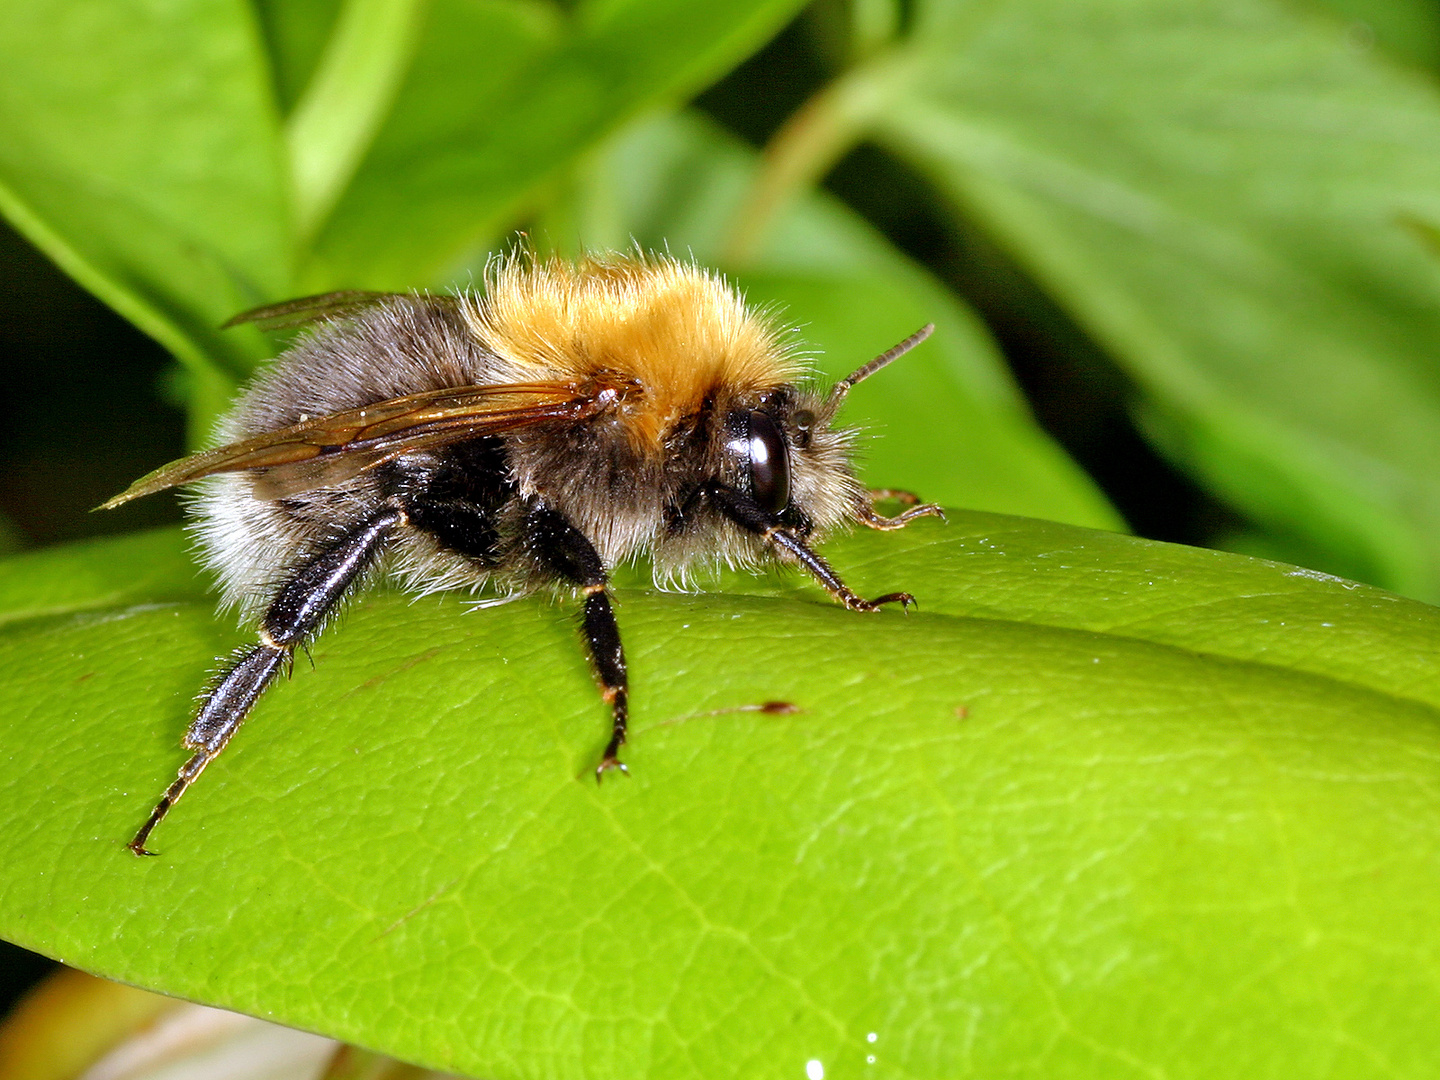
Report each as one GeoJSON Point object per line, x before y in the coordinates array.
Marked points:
{"type": "Point", "coordinates": [788, 455]}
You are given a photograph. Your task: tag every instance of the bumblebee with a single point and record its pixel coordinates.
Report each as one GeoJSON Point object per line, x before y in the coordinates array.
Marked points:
{"type": "Point", "coordinates": [571, 417]}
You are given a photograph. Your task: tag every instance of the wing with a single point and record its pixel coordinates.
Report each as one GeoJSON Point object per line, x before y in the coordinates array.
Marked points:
{"type": "Point", "coordinates": [332, 448]}
{"type": "Point", "coordinates": [321, 308]}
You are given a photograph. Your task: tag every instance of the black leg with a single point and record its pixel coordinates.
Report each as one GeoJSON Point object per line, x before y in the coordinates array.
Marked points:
{"type": "Point", "coordinates": [299, 607]}
{"type": "Point", "coordinates": [563, 550]}
{"type": "Point", "coordinates": [749, 515]}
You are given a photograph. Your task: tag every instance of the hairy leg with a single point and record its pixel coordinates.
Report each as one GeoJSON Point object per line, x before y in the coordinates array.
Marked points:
{"type": "Point", "coordinates": [299, 606]}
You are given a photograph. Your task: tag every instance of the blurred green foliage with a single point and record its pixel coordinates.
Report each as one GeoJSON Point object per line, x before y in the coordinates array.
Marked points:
{"type": "Point", "coordinates": [1221, 218]}
{"type": "Point", "coordinates": [1230, 207]}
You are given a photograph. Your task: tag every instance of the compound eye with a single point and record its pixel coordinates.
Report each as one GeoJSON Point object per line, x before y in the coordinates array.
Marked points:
{"type": "Point", "coordinates": [769, 463]}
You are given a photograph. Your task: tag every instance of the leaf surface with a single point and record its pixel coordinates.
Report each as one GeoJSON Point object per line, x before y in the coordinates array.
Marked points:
{"type": "Point", "coordinates": [1100, 807]}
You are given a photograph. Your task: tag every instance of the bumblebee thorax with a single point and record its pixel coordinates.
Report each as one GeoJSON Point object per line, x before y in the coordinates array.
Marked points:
{"type": "Point", "coordinates": [676, 334]}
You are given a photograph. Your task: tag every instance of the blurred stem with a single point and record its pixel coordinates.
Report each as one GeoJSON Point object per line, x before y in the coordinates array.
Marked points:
{"type": "Point", "coordinates": [346, 101]}
{"type": "Point", "coordinates": [873, 24]}
{"type": "Point", "coordinates": [807, 146]}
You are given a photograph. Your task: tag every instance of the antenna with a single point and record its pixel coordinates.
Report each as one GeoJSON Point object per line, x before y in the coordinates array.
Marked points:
{"type": "Point", "coordinates": [842, 388]}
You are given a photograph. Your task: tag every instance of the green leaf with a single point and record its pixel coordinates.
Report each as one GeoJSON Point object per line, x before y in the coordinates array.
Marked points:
{"type": "Point", "coordinates": [1406, 29]}
{"type": "Point", "coordinates": [139, 149]}
{"type": "Point", "coordinates": [1100, 807]}
{"type": "Point", "coordinates": [946, 421]}
{"type": "Point", "coordinates": [1235, 201]}
{"type": "Point", "coordinates": [501, 96]}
